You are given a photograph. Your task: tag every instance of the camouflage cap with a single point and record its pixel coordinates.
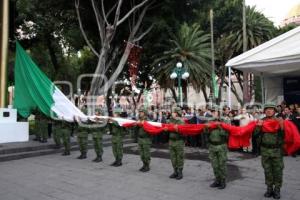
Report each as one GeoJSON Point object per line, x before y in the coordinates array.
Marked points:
{"type": "Point", "coordinates": [100, 111]}
{"type": "Point", "coordinates": [177, 110]}
{"type": "Point", "coordinates": [144, 110]}
{"type": "Point", "coordinates": [118, 110]}
{"type": "Point", "coordinates": [269, 105]}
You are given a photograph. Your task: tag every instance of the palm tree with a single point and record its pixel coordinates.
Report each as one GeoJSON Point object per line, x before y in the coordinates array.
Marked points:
{"type": "Point", "coordinates": [191, 46]}
{"type": "Point", "coordinates": [259, 29]}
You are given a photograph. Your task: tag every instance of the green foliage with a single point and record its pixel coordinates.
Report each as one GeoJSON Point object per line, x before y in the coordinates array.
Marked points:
{"type": "Point", "coordinates": [191, 46]}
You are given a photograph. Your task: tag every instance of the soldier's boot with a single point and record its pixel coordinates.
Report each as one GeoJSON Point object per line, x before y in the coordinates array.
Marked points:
{"type": "Point", "coordinates": [143, 167]}
{"type": "Point", "coordinates": [147, 167]}
{"type": "Point", "coordinates": [276, 193]}
{"type": "Point", "coordinates": [66, 153]}
{"type": "Point", "coordinates": [180, 175]}
{"type": "Point", "coordinates": [82, 156]}
{"type": "Point", "coordinates": [43, 140]}
{"type": "Point", "coordinates": [216, 183]}
{"type": "Point", "coordinates": [118, 163]}
{"type": "Point", "coordinates": [114, 163]}
{"type": "Point", "coordinates": [37, 138]}
{"type": "Point", "coordinates": [222, 184]}
{"type": "Point", "coordinates": [98, 159]}
{"type": "Point", "coordinates": [269, 192]}
{"type": "Point", "coordinates": [175, 173]}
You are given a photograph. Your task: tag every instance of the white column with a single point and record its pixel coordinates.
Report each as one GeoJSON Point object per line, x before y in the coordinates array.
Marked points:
{"type": "Point", "coordinates": [229, 88]}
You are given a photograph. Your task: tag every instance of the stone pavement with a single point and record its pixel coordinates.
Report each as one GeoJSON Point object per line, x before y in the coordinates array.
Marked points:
{"type": "Point", "coordinates": [55, 177]}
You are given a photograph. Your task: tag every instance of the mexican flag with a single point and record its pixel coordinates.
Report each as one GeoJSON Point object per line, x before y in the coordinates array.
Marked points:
{"type": "Point", "coordinates": [34, 90]}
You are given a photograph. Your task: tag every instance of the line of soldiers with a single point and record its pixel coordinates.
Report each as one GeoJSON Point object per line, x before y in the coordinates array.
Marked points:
{"type": "Point", "coordinates": [271, 146]}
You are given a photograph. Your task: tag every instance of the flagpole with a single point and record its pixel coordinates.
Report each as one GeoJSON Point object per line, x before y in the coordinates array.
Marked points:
{"type": "Point", "coordinates": [245, 74]}
{"type": "Point", "coordinates": [211, 13]}
{"type": "Point", "coordinates": [4, 50]}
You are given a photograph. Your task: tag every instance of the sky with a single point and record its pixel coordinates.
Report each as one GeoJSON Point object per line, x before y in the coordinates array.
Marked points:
{"type": "Point", "coordinates": [275, 10]}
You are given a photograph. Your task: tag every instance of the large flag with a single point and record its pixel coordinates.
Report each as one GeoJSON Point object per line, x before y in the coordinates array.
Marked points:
{"type": "Point", "coordinates": [34, 90]}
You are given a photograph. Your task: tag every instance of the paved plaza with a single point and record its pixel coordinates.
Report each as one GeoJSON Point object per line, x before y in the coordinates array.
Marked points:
{"type": "Point", "coordinates": [55, 177]}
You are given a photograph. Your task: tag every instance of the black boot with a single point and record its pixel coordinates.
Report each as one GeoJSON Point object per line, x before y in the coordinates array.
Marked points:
{"type": "Point", "coordinates": [114, 163]}
{"type": "Point", "coordinates": [179, 176]}
{"type": "Point", "coordinates": [82, 156]}
{"type": "Point", "coordinates": [276, 193]}
{"type": "Point", "coordinates": [175, 174]}
{"type": "Point", "coordinates": [147, 167]}
{"type": "Point", "coordinates": [222, 185]}
{"type": "Point", "coordinates": [43, 141]}
{"type": "Point", "coordinates": [269, 192]}
{"type": "Point", "coordinates": [66, 153]}
{"type": "Point", "coordinates": [143, 167]}
{"type": "Point", "coordinates": [216, 183]}
{"type": "Point", "coordinates": [118, 163]}
{"type": "Point", "coordinates": [98, 159]}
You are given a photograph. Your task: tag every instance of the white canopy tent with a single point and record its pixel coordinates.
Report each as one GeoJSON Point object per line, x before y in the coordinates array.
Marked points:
{"type": "Point", "coordinates": [272, 61]}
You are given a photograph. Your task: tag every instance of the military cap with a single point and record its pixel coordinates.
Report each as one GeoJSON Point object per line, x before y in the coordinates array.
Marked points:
{"type": "Point", "coordinates": [177, 110]}
{"type": "Point", "coordinates": [144, 110]}
{"type": "Point", "coordinates": [269, 105]}
{"type": "Point", "coordinates": [118, 110]}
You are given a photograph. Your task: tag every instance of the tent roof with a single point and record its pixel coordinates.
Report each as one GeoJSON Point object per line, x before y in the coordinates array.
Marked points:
{"type": "Point", "coordinates": [277, 57]}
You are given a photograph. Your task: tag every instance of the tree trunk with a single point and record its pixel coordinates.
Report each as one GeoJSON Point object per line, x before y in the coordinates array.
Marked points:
{"type": "Point", "coordinates": [203, 88]}
{"type": "Point", "coordinates": [52, 54]}
{"type": "Point", "coordinates": [174, 94]}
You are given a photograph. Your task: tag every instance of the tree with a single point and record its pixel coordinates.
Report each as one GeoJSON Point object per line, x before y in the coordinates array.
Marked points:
{"type": "Point", "coordinates": [191, 46]}
{"type": "Point", "coordinates": [259, 30]}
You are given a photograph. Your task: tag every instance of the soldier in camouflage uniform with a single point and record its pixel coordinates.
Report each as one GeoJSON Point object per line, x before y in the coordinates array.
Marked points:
{"type": "Point", "coordinates": [176, 145]}
{"type": "Point", "coordinates": [144, 142]}
{"type": "Point", "coordinates": [40, 128]}
{"type": "Point", "coordinates": [117, 133]}
{"type": "Point", "coordinates": [217, 146]}
{"type": "Point", "coordinates": [82, 137]}
{"type": "Point", "coordinates": [62, 132]}
{"type": "Point", "coordinates": [271, 147]}
{"type": "Point", "coordinates": [97, 133]}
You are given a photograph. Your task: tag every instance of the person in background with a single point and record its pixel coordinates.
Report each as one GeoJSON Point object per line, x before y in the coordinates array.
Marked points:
{"type": "Point", "coordinates": [245, 118]}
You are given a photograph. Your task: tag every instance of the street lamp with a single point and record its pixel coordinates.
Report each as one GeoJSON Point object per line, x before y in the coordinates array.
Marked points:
{"type": "Point", "coordinates": [180, 73]}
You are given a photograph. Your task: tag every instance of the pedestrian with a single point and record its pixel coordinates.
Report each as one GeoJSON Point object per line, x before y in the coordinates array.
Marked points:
{"type": "Point", "coordinates": [271, 148]}
{"type": "Point", "coordinates": [176, 145]}
{"type": "Point", "coordinates": [217, 146]}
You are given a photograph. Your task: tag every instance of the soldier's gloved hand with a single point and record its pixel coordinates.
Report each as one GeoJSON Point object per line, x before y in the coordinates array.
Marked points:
{"type": "Point", "coordinates": [259, 122]}
{"type": "Point", "coordinates": [281, 121]}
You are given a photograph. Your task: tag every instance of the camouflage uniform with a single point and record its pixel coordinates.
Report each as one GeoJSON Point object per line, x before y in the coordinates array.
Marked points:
{"type": "Point", "coordinates": [62, 132]}
{"type": "Point", "coordinates": [176, 148]}
{"type": "Point", "coordinates": [144, 142]}
{"type": "Point", "coordinates": [41, 128]}
{"type": "Point", "coordinates": [271, 147]}
{"type": "Point", "coordinates": [98, 142]}
{"type": "Point", "coordinates": [82, 139]}
{"type": "Point", "coordinates": [217, 146]}
{"type": "Point", "coordinates": [117, 133]}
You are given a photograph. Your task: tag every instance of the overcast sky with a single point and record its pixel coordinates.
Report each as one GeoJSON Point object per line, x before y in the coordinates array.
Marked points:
{"type": "Point", "coordinates": [275, 10]}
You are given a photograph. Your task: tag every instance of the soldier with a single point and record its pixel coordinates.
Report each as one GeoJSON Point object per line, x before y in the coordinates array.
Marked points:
{"type": "Point", "coordinates": [62, 132]}
{"type": "Point", "coordinates": [217, 146]}
{"type": "Point", "coordinates": [117, 133]}
{"type": "Point", "coordinates": [271, 148]}
{"type": "Point", "coordinates": [97, 133]}
{"type": "Point", "coordinates": [144, 142]}
{"type": "Point", "coordinates": [82, 137]}
{"type": "Point", "coordinates": [41, 130]}
{"type": "Point", "coordinates": [176, 145]}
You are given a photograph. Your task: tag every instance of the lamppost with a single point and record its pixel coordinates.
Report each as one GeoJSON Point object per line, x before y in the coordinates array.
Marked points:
{"type": "Point", "coordinates": [180, 73]}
